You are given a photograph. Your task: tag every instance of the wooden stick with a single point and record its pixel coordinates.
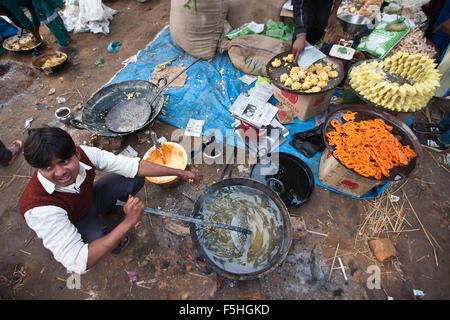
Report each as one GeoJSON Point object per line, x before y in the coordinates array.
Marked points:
{"type": "Point", "coordinates": [318, 233]}
{"type": "Point", "coordinates": [342, 268]}
{"type": "Point", "coordinates": [332, 265]}
{"type": "Point", "coordinates": [423, 228]}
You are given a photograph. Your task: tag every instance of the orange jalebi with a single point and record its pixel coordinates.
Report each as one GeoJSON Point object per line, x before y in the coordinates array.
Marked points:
{"type": "Point", "coordinates": [368, 147]}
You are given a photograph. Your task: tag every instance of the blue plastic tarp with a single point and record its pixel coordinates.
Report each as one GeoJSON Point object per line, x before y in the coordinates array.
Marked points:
{"type": "Point", "coordinates": [208, 93]}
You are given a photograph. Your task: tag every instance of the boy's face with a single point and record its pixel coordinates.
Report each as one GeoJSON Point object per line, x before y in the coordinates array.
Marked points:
{"type": "Point", "coordinates": [62, 172]}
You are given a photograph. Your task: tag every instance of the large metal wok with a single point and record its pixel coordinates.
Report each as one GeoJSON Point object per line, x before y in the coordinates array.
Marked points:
{"type": "Point", "coordinates": [96, 109]}
{"type": "Point", "coordinates": [281, 251]}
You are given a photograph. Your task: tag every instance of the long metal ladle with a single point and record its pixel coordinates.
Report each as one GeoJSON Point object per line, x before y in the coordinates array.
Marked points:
{"type": "Point", "coordinates": [192, 220]}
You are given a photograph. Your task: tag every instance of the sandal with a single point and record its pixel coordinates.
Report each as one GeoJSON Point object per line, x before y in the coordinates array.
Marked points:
{"type": "Point", "coordinates": [421, 127]}
{"type": "Point", "coordinates": [122, 245]}
{"type": "Point", "coordinates": [14, 147]}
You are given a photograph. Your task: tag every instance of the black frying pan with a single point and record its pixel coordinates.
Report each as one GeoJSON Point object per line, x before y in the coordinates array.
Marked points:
{"type": "Point", "coordinates": [97, 107]}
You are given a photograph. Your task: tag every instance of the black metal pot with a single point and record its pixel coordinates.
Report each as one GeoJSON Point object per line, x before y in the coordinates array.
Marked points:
{"type": "Point", "coordinates": [283, 247]}
{"type": "Point", "coordinates": [290, 178]}
{"type": "Point", "coordinates": [39, 61]}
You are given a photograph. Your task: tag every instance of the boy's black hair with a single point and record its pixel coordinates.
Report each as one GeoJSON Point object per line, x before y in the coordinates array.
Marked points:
{"type": "Point", "coordinates": [45, 143]}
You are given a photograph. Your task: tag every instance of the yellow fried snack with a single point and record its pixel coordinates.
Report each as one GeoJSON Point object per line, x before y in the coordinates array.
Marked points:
{"type": "Point", "coordinates": [276, 63]}
{"type": "Point", "coordinates": [322, 84]}
{"type": "Point", "coordinates": [323, 76]}
{"type": "Point", "coordinates": [284, 77]}
{"type": "Point", "coordinates": [296, 85]}
{"type": "Point", "coordinates": [289, 58]}
{"type": "Point", "coordinates": [332, 74]}
{"type": "Point", "coordinates": [288, 82]}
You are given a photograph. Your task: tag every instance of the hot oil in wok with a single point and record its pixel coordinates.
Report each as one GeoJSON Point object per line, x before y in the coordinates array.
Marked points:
{"type": "Point", "coordinates": [264, 222]}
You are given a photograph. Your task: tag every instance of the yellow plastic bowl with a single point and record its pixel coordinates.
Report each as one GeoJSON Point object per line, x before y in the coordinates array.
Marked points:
{"type": "Point", "coordinates": [174, 156]}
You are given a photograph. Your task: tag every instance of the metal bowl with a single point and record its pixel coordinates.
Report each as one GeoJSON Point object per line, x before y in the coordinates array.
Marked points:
{"type": "Point", "coordinates": [39, 62]}
{"type": "Point", "coordinates": [353, 23]}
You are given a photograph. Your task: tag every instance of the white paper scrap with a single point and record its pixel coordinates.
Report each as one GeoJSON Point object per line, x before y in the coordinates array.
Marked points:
{"type": "Point", "coordinates": [248, 79]}
{"type": "Point", "coordinates": [129, 152]}
{"type": "Point", "coordinates": [194, 128]}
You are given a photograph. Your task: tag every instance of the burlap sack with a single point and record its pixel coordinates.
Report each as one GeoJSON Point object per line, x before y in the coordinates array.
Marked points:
{"type": "Point", "coordinates": [240, 12]}
{"type": "Point", "coordinates": [252, 52]}
{"type": "Point", "coordinates": [196, 25]}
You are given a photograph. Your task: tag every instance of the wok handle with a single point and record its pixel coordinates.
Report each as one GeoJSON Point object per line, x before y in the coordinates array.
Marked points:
{"type": "Point", "coordinates": [77, 124]}
{"type": "Point", "coordinates": [161, 80]}
{"type": "Point", "coordinates": [276, 185]}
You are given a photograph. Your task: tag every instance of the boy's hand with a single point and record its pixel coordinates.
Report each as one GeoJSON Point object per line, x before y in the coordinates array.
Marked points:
{"type": "Point", "coordinates": [133, 209]}
{"type": "Point", "coordinates": [189, 176]}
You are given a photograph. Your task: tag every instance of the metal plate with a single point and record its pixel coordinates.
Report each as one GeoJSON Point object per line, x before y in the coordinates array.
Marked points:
{"type": "Point", "coordinates": [128, 116]}
{"type": "Point", "coordinates": [400, 130]}
{"type": "Point", "coordinates": [6, 46]}
{"type": "Point", "coordinates": [275, 73]}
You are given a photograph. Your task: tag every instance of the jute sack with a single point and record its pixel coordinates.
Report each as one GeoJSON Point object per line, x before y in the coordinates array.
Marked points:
{"type": "Point", "coordinates": [252, 52]}
{"type": "Point", "coordinates": [196, 25]}
{"type": "Point", "coordinates": [240, 12]}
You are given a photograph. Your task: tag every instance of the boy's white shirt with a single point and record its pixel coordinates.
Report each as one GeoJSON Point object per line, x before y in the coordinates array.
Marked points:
{"type": "Point", "coordinates": [52, 224]}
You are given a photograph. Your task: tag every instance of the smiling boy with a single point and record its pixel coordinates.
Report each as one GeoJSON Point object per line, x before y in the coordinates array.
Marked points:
{"type": "Point", "coordinates": [62, 201]}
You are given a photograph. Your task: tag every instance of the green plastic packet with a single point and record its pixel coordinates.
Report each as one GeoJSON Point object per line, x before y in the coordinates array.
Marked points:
{"type": "Point", "coordinates": [247, 28]}
{"type": "Point", "coordinates": [380, 41]}
{"type": "Point", "coordinates": [99, 61]}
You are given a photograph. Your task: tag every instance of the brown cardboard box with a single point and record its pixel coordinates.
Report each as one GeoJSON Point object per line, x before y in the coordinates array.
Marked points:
{"type": "Point", "coordinates": [335, 175]}
{"type": "Point", "coordinates": [304, 106]}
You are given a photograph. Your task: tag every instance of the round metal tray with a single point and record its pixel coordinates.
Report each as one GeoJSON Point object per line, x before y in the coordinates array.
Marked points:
{"type": "Point", "coordinates": [390, 77]}
{"type": "Point", "coordinates": [275, 73]}
{"type": "Point", "coordinates": [5, 46]}
{"type": "Point", "coordinates": [400, 130]}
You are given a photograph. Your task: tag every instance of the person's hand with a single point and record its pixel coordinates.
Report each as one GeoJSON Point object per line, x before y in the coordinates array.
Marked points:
{"type": "Point", "coordinates": [133, 209]}
{"type": "Point", "coordinates": [189, 176]}
{"type": "Point", "coordinates": [331, 25]}
{"type": "Point", "coordinates": [298, 46]}
{"type": "Point", "coordinates": [37, 37]}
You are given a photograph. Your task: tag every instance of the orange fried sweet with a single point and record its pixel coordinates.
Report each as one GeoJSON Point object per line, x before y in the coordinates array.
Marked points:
{"type": "Point", "coordinates": [368, 147]}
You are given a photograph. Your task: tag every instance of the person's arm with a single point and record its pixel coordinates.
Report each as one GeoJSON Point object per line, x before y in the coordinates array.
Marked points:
{"type": "Point", "coordinates": [18, 14]}
{"type": "Point", "coordinates": [332, 20]}
{"type": "Point", "coordinates": [151, 169]}
{"type": "Point", "coordinates": [99, 248]}
{"type": "Point", "coordinates": [131, 167]}
{"type": "Point", "coordinates": [60, 236]}
{"type": "Point", "coordinates": [300, 13]}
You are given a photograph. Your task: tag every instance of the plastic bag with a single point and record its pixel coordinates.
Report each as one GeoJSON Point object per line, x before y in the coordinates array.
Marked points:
{"type": "Point", "coordinates": [87, 15]}
{"type": "Point", "coordinates": [380, 41]}
{"type": "Point", "coordinates": [309, 142]}
{"type": "Point", "coordinates": [279, 30]}
{"type": "Point", "coordinates": [247, 28]}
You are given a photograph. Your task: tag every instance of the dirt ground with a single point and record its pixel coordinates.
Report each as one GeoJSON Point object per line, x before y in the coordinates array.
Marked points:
{"type": "Point", "coordinates": [164, 261]}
